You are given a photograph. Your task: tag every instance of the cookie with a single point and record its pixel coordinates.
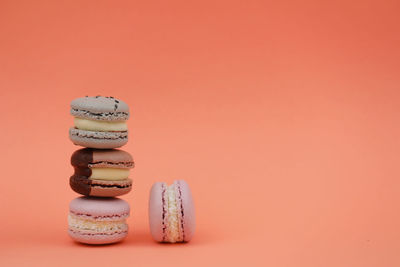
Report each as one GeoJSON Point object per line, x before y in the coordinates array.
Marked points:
{"type": "Point", "coordinates": [171, 212]}
{"type": "Point", "coordinates": [98, 220]}
{"type": "Point", "coordinates": [101, 172]}
{"type": "Point", "coordinates": [99, 122]}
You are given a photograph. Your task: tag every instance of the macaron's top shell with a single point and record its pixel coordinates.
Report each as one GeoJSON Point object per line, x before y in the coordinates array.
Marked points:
{"type": "Point", "coordinates": [100, 108]}
{"type": "Point", "coordinates": [188, 211]}
{"type": "Point", "coordinates": [99, 207]}
{"type": "Point", "coordinates": [89, 157]}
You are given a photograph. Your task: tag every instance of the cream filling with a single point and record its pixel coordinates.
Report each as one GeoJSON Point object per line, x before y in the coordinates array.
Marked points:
{"type": "Point", "coordinates": [109, 174]}
{"type": "Point", "coordinates": [85, 225]}
{"type": "Point", "coordinates": [100, 126]}
{"type": "Point", "coordinates": [173, 219]}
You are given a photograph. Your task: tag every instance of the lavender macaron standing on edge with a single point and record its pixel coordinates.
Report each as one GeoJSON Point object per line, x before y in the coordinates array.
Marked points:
{"type": "Point", "coordinates": [99, 122]}
{"type": "Point", "coordinates": [171, 212]}
{"type": "Point", "coordinates": [98, 220]}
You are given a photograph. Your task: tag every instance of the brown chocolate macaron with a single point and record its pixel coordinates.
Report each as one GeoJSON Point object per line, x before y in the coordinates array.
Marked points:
{"type": "Point", "coordinates": [101, 173]}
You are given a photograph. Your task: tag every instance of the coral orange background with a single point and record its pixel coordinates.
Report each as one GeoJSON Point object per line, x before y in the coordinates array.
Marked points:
{"type": "Point", "coordinates": [283, 116]}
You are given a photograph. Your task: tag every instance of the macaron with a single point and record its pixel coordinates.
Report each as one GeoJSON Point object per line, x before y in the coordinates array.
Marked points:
{"type": "Point", "coordinates": [98, 220]}
{"type": "Point", "coordinates": [99, 122]}
{"type": "Point", "coordinates": [171, 212]}
{"type": "Point", "coordinates": [101, 172]}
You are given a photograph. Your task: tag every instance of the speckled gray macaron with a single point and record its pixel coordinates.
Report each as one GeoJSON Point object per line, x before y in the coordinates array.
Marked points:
{"type": "Point", "coordinates": [99, 108]}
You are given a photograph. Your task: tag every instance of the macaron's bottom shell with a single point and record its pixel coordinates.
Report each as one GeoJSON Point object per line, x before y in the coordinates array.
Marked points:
{"type": "Point", "coordinates": [101, 140]}
{"type": "Point", "coordinates": [100, 191]}
{"type": "Point", "coordinates": [100, 188]}
{"type": "Point", "coordinates": [97, 239]}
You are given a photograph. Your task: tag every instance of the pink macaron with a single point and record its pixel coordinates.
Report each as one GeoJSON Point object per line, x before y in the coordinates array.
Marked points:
{"type": "Point", "coordinates": [171, 212]}
{"type": "Point", "coordinates": [93, 220]}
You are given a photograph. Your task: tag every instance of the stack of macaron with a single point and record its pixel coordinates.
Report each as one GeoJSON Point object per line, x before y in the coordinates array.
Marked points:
{"type": "Point", "coordinates": [101, 171]}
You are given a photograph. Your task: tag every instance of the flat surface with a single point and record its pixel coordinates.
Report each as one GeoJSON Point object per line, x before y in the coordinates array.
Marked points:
{"type": "Point", "coordinates": [283, 116]}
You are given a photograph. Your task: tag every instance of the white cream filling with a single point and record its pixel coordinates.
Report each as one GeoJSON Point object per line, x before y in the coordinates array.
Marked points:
{"type": "Point", "coordinates": [173, 219]}
{"type": "Point", "coordinates": [81, 224]}
{"type": "Point", "coordinates": [109, 174]}
{"type": "Point", "coordinates": [100, 126]}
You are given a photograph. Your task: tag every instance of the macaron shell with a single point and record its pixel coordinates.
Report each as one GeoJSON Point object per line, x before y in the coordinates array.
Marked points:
{"type": "Point", "coordinates": [100, 188]}
{"type": "Point", "coordinates": [104, 158]}
{"type": "Point", "coordinates": [100, 140]}
{"type": "Point", "coordinates": [100, 108]}
{"type": "Point", "coordinates": [99, 207]}
{"type": "Point", "coordinates": [97, 239]}
{"type": "Point", "coordinates": [156, 220]}
{"type": "Point", "coordinates": [80, 184]}
{"type": "Point", "coordinates": [113, 158]}
{"type": "Point", "coordinates": [189, 218]}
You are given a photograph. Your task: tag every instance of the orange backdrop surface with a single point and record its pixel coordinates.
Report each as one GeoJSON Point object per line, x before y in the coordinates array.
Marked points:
{"type": "Point", "coordinates": [283, 116]}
